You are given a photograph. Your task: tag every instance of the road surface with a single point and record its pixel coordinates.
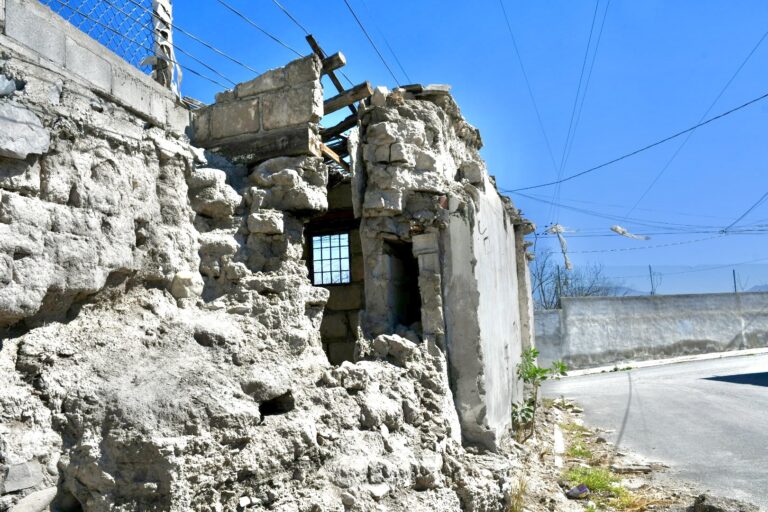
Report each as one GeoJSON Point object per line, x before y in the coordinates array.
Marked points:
{"type": "Point", "coordinates": [708, 420]}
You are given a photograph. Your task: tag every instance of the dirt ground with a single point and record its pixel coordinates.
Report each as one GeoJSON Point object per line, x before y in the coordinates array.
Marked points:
{"type": "Point", "coordinates": [565, 451]}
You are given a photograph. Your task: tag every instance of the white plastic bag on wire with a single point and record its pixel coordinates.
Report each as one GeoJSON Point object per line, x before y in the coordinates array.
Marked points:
{"type": "Point", "coordinates": [558, 230]}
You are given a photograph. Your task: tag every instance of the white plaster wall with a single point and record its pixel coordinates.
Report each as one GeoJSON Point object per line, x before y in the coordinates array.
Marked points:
{"type": "Point", "coordinates": [484, 348]}
{"type": "Point", "coordinates": [499, 309]}
{"type": "Point", "coordinates": [605, 330]}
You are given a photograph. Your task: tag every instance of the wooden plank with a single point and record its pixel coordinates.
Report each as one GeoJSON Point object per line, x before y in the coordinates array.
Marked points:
{"type": "Point", "coordinates": [339, 147]}
{"type": "Point", "coordinates": [334, 80]}
{"type": "Point", "coordinates": [346, 98]}
{"type": "Point", "coordinates": [328, 152]}
{"type": "Point", "coordinates": [334, 131]}
{"type": "Point", "coordinates": [335, 61]}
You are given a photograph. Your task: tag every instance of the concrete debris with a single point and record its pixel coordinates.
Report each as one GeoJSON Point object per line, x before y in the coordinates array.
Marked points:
{"type": "Point", "coordinates": [22, 476]}
{"type": "Point", "coordinates": [21, 132]}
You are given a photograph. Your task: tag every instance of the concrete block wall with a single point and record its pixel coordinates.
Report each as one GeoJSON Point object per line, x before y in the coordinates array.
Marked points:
{"type": "Point", "coordinates": [52, 39]}
{"type": "Point", "coordinates": [275, 114]}
{"type": "Point", "coordinates": [596, 331]}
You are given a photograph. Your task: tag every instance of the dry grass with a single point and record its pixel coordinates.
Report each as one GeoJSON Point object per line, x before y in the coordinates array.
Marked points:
{"type": "Point", "coordinates": [517, 498]}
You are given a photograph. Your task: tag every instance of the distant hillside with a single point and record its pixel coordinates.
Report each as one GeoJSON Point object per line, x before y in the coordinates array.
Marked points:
{"type": "Point", "coordinates": [759, 288]}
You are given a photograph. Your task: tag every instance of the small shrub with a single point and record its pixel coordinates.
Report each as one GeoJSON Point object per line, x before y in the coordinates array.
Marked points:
{"type": "Point", "coordinates": [534, 375]}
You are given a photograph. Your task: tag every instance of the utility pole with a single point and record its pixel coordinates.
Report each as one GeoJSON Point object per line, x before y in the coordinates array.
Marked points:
{"type": "Point", "coordinates": [558, 287]}
{"type": "Point", "coordinates": [653, 286]}
{"type": "Point", "coordinates": [735, 290]}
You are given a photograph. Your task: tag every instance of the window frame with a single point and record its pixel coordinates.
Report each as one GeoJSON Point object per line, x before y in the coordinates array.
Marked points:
{"type": "Point", "coordinates": [346, 255]}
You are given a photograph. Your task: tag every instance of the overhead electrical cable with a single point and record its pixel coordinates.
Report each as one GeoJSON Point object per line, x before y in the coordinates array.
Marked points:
{"type": "Point", "coordinates": [304, 29]}
{"type": "Point", "coordinates": [386, 42]}
{"type": "Point", "coordinates": [556, 192]}
{"type": "Point", "coordinates": [690, 134]}
{"type": "Point", "coordinates": [644, 148]}
{"type": "Point", "coordinates": [257, 27]}
{"type": "Point", "coordinates": [306, 32]}
{"type": "Point", "coordinates": [586, 86]}
{"type": "Point", "coordinates": [370, 40]}
{"type": "Point", "coordinates": [528, 86]}
{"type": "Point", "coordinates": [716, 267]}
{"type": "Point", "coordinates": [757, 203]}
{"type": "Point", "coordinates": [643, 247]}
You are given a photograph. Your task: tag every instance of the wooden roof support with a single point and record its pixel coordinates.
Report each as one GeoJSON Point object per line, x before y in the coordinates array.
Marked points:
{"type": "Point", "coordinates": [320, 53]}
{"type": "Point", "coordinates": [334, 131]}
{"type": "Point", "coordinates": [347, 98]}
{"type": "Point", "coordinates": [329, 153]}
{"type": "Point", "coordinates": [334, 62]}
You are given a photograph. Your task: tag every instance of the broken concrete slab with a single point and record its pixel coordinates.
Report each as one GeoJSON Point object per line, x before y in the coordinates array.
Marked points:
{"type": "Point", "coordinates": [21, 132]}
{"type": "Point", "coordinates": [22, 476]}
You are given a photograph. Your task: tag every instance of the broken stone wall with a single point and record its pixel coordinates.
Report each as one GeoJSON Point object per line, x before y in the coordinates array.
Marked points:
{"type": "Point", "coordinates": [595, 331]}
{"type": "Point", "coordinates": [163, 344]}
{"type": "Point", "coordinates": [91, 187]}
{"type": "Point", "coordinates": [419, 181]}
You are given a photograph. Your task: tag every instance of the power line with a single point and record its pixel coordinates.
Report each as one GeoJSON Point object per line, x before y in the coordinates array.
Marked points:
{"type": "Point", "coordinates": [556, 192]}
{"type": "Point", "coordinates": [257, 27]}
{"type": "Point", "coordinates": [644, 148]}
{"type": "Point", "coordinates": [195, 38]}
{"type": "Point", "coordinates": [528, 86]}
{"type": "Point", "coordinates": [749, 210]}
{"type": "Point", "coordinates": [368, 36]}
{"type": "Point", "coordinates": [716, 267]}
{"type": "Point", "coordinates": [657, 246]}
{"type": "Point", "coordinates": [640, 222]}
{"type": "Point", "coordinates": [589, 79]}
{"type": "Point", "coordinates": [386, 42]}
{"type": "Point", "coordinates": [306, 32]}
{"type": "Point", "coordinates": [690, 134]}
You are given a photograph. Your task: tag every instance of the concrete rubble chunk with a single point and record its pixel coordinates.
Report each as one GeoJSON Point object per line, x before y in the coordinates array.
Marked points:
{"type": "Point", "coordinates": [21, 132]}
{"type": "Point", "coordinates": [37, 501]}
{"type": "Point", "coordinates": [23, 476]}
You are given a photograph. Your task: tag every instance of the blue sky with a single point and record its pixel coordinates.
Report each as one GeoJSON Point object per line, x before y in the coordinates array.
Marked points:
{"type": "Point", "coordinates": [659, 66]}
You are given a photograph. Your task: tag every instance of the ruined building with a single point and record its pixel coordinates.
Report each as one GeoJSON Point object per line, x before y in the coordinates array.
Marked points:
{"type": "Point", "coordinates": [212, 309]}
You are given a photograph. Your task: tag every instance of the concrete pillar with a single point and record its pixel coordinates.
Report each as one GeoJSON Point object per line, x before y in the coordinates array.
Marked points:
{"type": "Point", "coordinates": [524, 296]}
{"type": "Point", "coordinates": [2, 16]}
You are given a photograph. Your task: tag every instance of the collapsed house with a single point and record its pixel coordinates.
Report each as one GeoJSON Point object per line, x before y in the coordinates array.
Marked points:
{"type": "Point", "coordinates": [245, 319]}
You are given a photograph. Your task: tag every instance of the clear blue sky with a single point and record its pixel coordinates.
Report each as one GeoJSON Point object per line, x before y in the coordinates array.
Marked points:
{"type": "Point", "coordinates": [659, 66]}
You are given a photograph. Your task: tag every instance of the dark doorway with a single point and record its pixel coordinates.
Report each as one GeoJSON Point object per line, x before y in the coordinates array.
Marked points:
{"type": "Point", "coordinates": [404, 295]}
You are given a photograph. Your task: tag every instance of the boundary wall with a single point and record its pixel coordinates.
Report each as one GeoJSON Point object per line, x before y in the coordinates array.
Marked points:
{"type": "Point", "coordinates": [596, 331]}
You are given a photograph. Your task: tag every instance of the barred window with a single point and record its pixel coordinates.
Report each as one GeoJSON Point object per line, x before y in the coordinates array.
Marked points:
{"type": "Point", "coordinates": [330, 259]}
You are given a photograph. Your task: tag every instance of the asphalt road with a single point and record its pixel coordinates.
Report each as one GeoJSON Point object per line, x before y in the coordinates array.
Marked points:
{"type": "Point", "coordinates": [708, 420]}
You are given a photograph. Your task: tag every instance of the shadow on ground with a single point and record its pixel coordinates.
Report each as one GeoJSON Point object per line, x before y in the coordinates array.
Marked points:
{"type": "Point", "coordinates": [754, 379]}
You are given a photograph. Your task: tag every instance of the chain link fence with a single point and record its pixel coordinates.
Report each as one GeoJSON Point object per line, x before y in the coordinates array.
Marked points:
{"type": "Point", "coordinates": [123, 26]}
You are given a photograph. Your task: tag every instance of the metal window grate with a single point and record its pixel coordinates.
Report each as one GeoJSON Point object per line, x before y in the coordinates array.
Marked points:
{"type": "Point", "coordinates": [123, 26]}
{"type": "Point", "coordinates": [330, 259]}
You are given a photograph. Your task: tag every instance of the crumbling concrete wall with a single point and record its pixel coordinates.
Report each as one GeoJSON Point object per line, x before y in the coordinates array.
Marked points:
{"type": "Point", "coordinates": [419, 180]}
{"type": "Point", "coordinates": [162, 349]}
{"type": "Point", "coordinates": [91, 187]}
{"type": "Point", "coordinates": [595, 331]}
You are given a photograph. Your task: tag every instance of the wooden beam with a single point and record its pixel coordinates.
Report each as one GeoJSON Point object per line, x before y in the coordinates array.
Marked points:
{"type": "Point", "coordinates": [328, 152]}
{"type": "Point", "coordinates": [335, 61]}
{"type": "Point", "coordinates": [320, 53]}
{"type": "Point", "coordinates": [346, 98]}
{"type": "Point", "coordinates": [334, 131]}
{"type": "Point", "coordinates": [339, 147]}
